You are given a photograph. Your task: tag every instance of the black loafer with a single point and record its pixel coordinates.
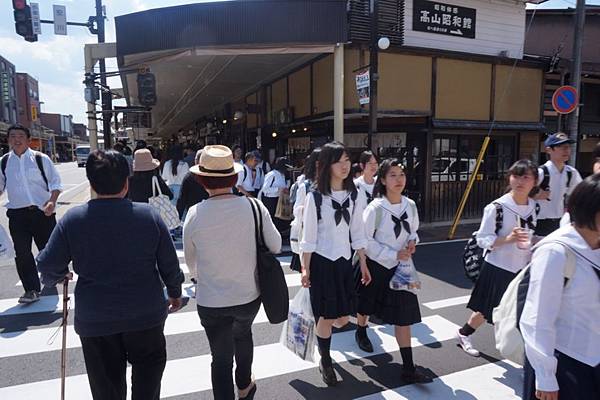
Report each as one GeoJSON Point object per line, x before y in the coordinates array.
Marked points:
{"type": "Point", "coordinates": [363, 343]}
{"type": "Point", "coordinates": [250, 394]}
{"type": "Point", "coordinates": [328, 374]}
{"type": "Point", "coordinates": [415, 376]}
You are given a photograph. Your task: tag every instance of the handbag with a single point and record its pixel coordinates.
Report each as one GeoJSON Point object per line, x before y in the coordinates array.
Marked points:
{"type": "Point", "coordinates": [161, 203]}
{"type": "Point", "coordinates": [271, 280]}
{"type": "Point", "coordinates": [7, 250]}
{"type": "Point", "coordinates": [284, 208]}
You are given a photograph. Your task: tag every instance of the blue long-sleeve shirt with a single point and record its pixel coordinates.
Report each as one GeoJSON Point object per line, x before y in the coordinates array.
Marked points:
{"type": "Point", "coordinates": [122, 252]}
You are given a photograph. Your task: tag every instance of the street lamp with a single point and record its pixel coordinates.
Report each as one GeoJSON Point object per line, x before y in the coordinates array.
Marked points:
{"type": "Point", "coordinates": [376, 43]}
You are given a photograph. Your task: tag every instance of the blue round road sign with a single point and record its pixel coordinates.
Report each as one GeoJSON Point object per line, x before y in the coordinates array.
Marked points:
{"type": "Point", "coordinates": [565, 99]}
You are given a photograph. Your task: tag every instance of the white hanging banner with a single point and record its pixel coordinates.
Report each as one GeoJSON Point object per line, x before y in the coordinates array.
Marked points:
{"type": "Point", "coordinates": [363, 85]}
{"type": "Point", "coordinates": [35, 19]}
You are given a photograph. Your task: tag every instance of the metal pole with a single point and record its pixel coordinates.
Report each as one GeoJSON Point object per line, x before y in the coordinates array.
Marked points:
{"type": "Point", "coordinates": [573, 124]}
{"type": "Point", "coordinates": [91, 108]}
{"type": "Point", "coordinates": [63, 355]}
{"type": "Point", "coordinates": [373, 72]}
{"type": "Point", "coordinates": [338, 93]}
{"type": "Point", "coordinates": [106, 97]}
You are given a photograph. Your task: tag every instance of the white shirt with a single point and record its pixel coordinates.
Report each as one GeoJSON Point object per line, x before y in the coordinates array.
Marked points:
{"type": "Point", "coordinates": [225, 278]}
{"type": "Point", "coordinates": [274, 181]}
{"type": "Point", "coordinates": [262, 168]}
{"type": "Point", "coordinates": [245, 179]}
{"type": "Point", "coordinates": [167, 173]}
{"type": "Point", "coordinates": [565, 318]}
{"type": "Point", "coordinates": [24, 182]}
{"type": "Point", "coordinates": [508, 256]}
{"type": "Point", "coordinates": [554, 208]}
{"type": "Point", "coordinates": [361, 184]}
{"type": "Point", "coordinates": [384, 246]}
{"type": "Point", "coordinates": [327, 238]}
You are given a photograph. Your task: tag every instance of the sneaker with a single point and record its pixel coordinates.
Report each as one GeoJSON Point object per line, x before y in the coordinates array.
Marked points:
{"type": "Point", "coordinates": [415, 376]}
{"type": "Point", "coordinates": [465, 343]}
{"type": "Point", "coordinates": [29, 297]}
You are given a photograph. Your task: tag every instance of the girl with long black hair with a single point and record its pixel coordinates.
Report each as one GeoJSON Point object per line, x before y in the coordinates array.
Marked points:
{"type": "Point", "coordinates": [333, 227]}
{"type": "Point", "coordinates": [391, 223]}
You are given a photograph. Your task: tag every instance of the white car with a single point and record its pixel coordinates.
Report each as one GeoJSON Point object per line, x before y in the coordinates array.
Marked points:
{"type": "Point", "coordinates": [446, 168]}
{"type": "Point", "coordinates": [82, 153]}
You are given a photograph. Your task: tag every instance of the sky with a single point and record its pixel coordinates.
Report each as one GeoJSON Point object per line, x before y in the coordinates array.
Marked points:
{"type": "Point", "coordinates": [57, 61]}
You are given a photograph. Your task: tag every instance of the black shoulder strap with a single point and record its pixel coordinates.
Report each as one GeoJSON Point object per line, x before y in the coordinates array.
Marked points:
{"type": "Point", "coordinates": [569, 177]}
{"type": "Point", "coordinates": [40, 163]}
{"type": "Point", "coordinates": [546, 181]}
{"type": "Point", "coordinates": [258, 230]}
{"type": "Point", "coordinates": [273, 181]}
{"type": "Point", "coordinates": [3, 163]}
{"type": "Point", "coordinates": [499, 216]}
{"type": "Point", "coordinates": [245, 173]}
{"type": "Point", "coordinates": [318, 202]}
{"type": "Point", "coordinates": [537, 208]}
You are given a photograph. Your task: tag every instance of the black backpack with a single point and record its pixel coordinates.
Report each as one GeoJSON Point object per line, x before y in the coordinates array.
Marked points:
{"type": "Point", "coordinates": [319, 200]}
{"type": "Point", "coordinates": [545, 184]}
{"type": "Point", "coordinates": [38, 161]}
{"type": "Point", "coordinates": [473, 255]}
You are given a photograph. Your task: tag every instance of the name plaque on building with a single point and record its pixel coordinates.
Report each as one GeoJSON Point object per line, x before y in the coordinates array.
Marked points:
{"type": "Point", "coordinates": [445, 19]}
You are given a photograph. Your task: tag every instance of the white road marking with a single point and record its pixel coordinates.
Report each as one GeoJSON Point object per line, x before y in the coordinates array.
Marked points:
{"type": "Point", "coordinates": [453, 301]}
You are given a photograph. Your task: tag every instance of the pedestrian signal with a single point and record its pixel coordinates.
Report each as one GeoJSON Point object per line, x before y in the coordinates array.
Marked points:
{"type": "Point", "coordinates": [146, 85]}
{"type": "Point", "coordinates": [23, 25]}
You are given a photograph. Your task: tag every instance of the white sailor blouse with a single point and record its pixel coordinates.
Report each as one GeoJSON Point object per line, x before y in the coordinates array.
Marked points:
{"type": "Point", "coordinates": [508, 256]}
{"type": "Point", "coordinates": [340, 228]}
{"type": "Point", "coordinates": [398, 224]}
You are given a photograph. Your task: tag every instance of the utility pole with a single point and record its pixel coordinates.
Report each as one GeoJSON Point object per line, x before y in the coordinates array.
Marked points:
{"type": "Point", "coordinates": [373, 71]}
{"type": "Point", "coordinates": [106, 96]}
{"type": "Point", "coordinates": [573, 125]}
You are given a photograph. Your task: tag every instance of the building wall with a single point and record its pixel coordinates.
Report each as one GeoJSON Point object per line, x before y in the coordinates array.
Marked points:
{"type": "Point", "coordinates": [404, 83]}
{"type": "Point", "coordinates": [520, 101]}
{"type": "Point", "coordinates": [323, 85]}
{"type": "Point", "coordinates": [500, 26]}
{"type": "Point", "coordinates": [463, 90]}
{"type": "Point", "coordinates": [279, 95]}
{"type": "Point", "coordinates": [29, 102]}
{"type": "Point", "coordinates": [299, 83]}
{"type": "Point", "coordinates": [8, 92]}
{"type": "Point", "coordinates": [51, 121]}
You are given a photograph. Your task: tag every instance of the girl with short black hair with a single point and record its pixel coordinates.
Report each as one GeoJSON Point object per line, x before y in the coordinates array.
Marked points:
{"type": "Point", "coordinates": [505, 233]}
{"type": "Point", "coordinates": [368, 164]}
{"type": "Point", "coordinates": [333, 227]}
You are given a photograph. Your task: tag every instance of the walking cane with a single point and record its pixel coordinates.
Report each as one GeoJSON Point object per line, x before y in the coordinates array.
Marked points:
{"type": "Point", "coordinates": [63, 359]}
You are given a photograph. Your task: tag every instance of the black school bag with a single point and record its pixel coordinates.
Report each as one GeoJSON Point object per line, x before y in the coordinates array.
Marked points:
{"type": "Point", "coordinates": [473, 255]}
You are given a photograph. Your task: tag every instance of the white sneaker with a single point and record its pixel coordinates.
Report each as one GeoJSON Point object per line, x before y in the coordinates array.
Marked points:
{"type": "Point", "coordinates": [465, 343]}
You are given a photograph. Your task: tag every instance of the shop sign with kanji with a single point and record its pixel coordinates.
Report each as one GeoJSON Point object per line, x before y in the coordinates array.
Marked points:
{"type": "Point", "coordinates": [443, 18]}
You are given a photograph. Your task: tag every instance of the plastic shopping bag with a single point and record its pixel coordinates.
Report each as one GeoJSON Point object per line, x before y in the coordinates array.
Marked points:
{"type": "Point", "coordinates": [405, 277]}
{"type": "Point", "coordinates": [7, 250]}
{"type": "Point", "coordinates": [298, 334]}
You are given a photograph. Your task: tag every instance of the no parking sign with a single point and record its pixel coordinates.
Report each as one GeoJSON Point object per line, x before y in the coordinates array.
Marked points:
{"type": "Point", "coordinates": [565, 99]}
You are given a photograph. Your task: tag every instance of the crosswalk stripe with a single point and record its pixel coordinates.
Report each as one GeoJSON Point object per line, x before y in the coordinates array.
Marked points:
{"type": "Point", "coordinates": [189, 375]}
{"type": "Point", "coordinates": [54, 303]}
{"type": "Point", "coordinates": [453, 301]}
{"type": "Point", "coordinates": [497, 381]}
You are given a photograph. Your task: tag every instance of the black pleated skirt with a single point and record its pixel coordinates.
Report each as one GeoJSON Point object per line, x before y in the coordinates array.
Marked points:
{"type": "Point", "coordinates": [395, 307]}
{"type": "Point", "coordinates": [332, 293]}
{"type": "Point", "coordinates": [489, 289]}
{"type": "Point", "coordinates": [295, 264]}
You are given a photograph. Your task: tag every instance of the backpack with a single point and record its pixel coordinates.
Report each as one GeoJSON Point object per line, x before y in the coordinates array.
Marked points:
{"type": "Point", "coordinates": [507, 315]}
{"type": "Point", "coordinates": [473, 255]}
{"type": "Point", "coordinates": [38, 160]}
{"type": "Point", "coordinates": [294, 189]}
{"type": "Point", "coordinates": [319, 201]}
{"type": "Point", "coordinates": [545, 184]}
{"type": "Point", "coordinates": [296, 224]}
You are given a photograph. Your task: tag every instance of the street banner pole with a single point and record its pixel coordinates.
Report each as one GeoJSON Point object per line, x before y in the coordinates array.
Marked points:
{"type": "Point", "coordinates": [465, 196]}
{"type": "Point", "coordinates": [63, 358]}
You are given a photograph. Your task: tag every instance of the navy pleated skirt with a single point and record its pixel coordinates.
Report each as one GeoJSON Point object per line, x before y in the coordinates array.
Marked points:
{"type": "Point", "coordinates": [332, 292]}
{"type": "Point", "coordinates": [489, 289]}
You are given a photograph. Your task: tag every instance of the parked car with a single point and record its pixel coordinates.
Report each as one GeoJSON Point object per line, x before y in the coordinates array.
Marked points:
{"type": "Point", "coordinates": [82, 153]}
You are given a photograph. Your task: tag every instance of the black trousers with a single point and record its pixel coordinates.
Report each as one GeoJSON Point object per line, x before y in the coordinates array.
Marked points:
{"type": "Point", "coordinates": [106, 360]}
{"type": "Point", "coordinates": [229, 332]}
{"type": "Point", "coordinates": [25, 225]}
{"type": "Point", "coordinates": [576, 380]}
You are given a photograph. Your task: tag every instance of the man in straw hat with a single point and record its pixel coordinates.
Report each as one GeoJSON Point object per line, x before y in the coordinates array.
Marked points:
{"type": "Point", "coordinates": [121, 307]}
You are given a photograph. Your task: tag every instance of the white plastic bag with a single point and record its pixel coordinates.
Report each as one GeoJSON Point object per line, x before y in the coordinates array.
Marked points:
{"type": "Point", "coordinates": [7, 249]}
{"type": "Point", "coordinates": [161, 203]}
{"type": "Point", "coordinates": [298, 334]}
{"type": "Point", "coordinates": [405, 277]}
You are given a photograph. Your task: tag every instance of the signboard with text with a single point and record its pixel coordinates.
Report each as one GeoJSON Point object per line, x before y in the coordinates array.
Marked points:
{"type": "Point", "coordinates": [35, 19]}
{"type": "Point", "coordinates": [5, 83]}
{"type": "Point", "coordinates": [443, 18]}
{"type": "Point", "coordinates": [363, 87]}
{"type": "Point", "coordinates": [60, 19]}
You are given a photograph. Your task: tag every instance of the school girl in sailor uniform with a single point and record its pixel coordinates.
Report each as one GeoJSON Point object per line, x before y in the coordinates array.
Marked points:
{"type": "Point", "coordinates": [391, 223]}
{"type": "Point", "coordinates": [508, 248]}
{"type": "Point", "coordinates": [560, 322]}
{"type": "Point", "coordinates": [368, 163]}
{"type": "Point", "coordinates": [303, 185]}
{"type": "Point", "coordinates": [333, 227]}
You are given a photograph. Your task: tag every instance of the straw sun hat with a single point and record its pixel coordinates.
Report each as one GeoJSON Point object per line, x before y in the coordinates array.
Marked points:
{"type": "Point", "coordinates": [143, 161]}
{"type": "Point", "coordinates": [216, 161]}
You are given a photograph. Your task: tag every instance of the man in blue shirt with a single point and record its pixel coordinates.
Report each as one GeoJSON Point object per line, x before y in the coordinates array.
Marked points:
{"type": "Point", "coordinates": [122, 253]}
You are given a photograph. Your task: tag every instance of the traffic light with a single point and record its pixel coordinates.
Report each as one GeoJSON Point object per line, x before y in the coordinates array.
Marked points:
{"type": "Point", "coordinates": [146, 85]}
{"type": "Point", "coordinates": [22, 13]}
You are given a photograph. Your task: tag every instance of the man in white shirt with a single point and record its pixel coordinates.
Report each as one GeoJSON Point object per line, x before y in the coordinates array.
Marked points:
{"type": "Point", "coordinates": [556, 180]}
{"type": "Point", "coordinates": [262, 168]}
{"type": "Point", "coordinates": [247, 176]}
{"type": "Point", "coordinates": [32, 184]}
